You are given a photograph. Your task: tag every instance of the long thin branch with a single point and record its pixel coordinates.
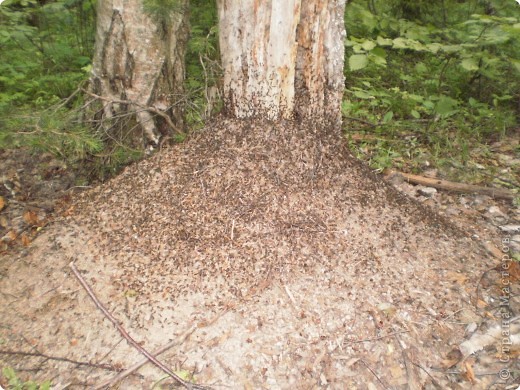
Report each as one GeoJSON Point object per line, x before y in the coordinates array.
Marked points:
{"type": "Point", "coordinates": [132, 342]}
{"type": "Point", "coordinates": [67, 100]}
{"type": "Point", "coordinates": [147, 108]}
{"type": "Point", "coordinates": [59, 359]}
{"type": "Point", "coordinates": [498, 193]}
{"type": "Point", "coordinates": [373, 373]}
{"type": "Point", "coordinates": [119, 377]}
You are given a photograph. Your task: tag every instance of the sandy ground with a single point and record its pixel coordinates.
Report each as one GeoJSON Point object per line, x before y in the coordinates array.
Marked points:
{"type": "Point", "coordinates": [267, 260]}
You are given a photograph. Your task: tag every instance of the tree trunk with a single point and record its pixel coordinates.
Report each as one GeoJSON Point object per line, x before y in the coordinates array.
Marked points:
{"type": "Point", "coordinates": [283, 58]}
{"type": "Point", "coordinates": [138, 66]}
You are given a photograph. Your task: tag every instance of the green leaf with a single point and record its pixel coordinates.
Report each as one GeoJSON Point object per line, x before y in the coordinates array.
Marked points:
{"type": "Point", "coordinates": [363, 95]}
{"type": "Point", "coordinates": [45, 385]}
{"type": "Point", "coordinates": [388, 117]}
{"type": "Point", "coordinates": [358, 49]}
{"type": "Point", "coordinates": [380, 52]}
{"type": "Point", "coordinates": [357, 61]}
{"type": "Point", "coordinates": [384, 41]}
{"type": "Point", "coordinates": [368, 45]}
{"type": "Point", "coordinates": [434, 47]}
{"type": "Point", "coordinates": [429, 104]}
{"type": "Point", "coordinates": [446, 106]}
{"type": "Point", "coordinates": [451, 48]}
{"type": "Point", "coordinates": [415, 114]}
{"type": "Point", "coordinates": [348, 43]}
{"type": "Point", "coordinates": [400, 43]}
{"type": "Point", "coordinates": [469, 64]}
{"type": "Point", "coordinates": [516, 65]}
{"type": "Point", "coordinates": [381, 61]}
{"type": "Point", "coordinates": [415, 98]}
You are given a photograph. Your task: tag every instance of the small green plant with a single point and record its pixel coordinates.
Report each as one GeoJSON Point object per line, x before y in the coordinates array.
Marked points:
{"type": "Point", "coordinates": [15, 383]}
{"type": "Point", "coordinates": [203, 68]}
{"type": "Point", "coordinates": [183, 374]}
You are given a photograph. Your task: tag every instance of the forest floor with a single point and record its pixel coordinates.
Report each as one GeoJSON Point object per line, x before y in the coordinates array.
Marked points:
{"type": "Point", "coordinates": [283, 266]}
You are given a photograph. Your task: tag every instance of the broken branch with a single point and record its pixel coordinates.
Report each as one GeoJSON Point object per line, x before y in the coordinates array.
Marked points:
{"type": "Point", "coordinates": [498, 193]}
{"type": "Point", "coordinates": [60, 359]}
{"type": "Point", "coordinates": [122, 375]}
{"type": "Point", "coordinates": [128, 338]}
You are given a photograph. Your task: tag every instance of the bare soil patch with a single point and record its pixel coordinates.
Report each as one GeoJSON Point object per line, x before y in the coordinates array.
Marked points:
{"type": "Point", "coordinates": [277, 261]}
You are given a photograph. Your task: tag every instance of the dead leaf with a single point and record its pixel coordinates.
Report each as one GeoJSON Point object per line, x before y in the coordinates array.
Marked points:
{"type": "Point", "coordinates": [481, 304]}
{"type": "Point", "coordinates": [68, 212]}
{"type": "Point", "coordinates": [453, 357]}
{"type": "Point", "coordinates": [12, 235]}
{"type": "Point", "coordinates": [30, 218]}
{"type": "Point", "coordinates": [397, 372]}
{"type": "Point", "coordinates": [2, 203]}
{"type": "Point", "coordinates": [25, 240]}
{"type": "Point", "coordinates": [3, 222]}
{"type": "Point", "coordinates": [514, 270]}
{"type": "Point", "coordinates": [457, 277]}
{"type": "Point", "coordinates": [493, 250]}
{"type": "Point", "coordinates": [469, 374]}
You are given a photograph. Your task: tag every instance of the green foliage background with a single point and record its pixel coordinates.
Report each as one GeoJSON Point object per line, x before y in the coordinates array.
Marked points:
{"type": "Point", "coordinates": [428, 79]}
{"type": "Point", "coordinates": [443, 77]}
{"type": "Point", "coordinates": [46, 51]}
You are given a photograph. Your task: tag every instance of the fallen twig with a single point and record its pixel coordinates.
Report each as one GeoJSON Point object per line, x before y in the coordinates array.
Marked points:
{"type": "Point", "coordinates": [434, 382]}
{"type": "Point", "coordinates": [498, 193]}
{"type": "Point", "coordinates": [132, 342]}
{"type": "Point", "coordinates": [119, 377]}
{"type": "Point", "coordinates": [373, 373]}
{"type": "Point", "coordinates": [60, 359]}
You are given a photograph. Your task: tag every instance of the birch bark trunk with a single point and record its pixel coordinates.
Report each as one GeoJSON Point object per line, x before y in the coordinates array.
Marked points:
{"type": "Point", "coordinates": [283, 58]}
{"type": "Point", "coordinates": [138, 66]}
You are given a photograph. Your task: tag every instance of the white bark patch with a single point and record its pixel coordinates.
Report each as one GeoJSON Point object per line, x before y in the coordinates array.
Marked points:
{"type": "Point", "coordinates": [282, 57]}
{"type": "Point", "coordinates": [258, 45]}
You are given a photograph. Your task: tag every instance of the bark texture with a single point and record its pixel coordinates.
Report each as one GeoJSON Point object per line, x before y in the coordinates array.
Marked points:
{"type": "Point", "coordinates": [283, 58]}
{"type": "Point", "coordinates": [138, 65]}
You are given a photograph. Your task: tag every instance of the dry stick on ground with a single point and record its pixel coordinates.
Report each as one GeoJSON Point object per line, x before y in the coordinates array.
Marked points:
{"type": "Point", "coordinates": [373, 373]}
{"type": "Point", "coordinates": [171, 344]}
{"type": "Point", "coordinates": [60, 359]}
{"type": "Point", "coordinates": [498, 193]}
{"type": "Point", "coordinates": [119, 377]}
{"type": "Point", "coordinates": [434, 382]}
{"type": "Point", "coordinates": [157, 352]}
{"type": "Point", "coordinates": [132, 342]}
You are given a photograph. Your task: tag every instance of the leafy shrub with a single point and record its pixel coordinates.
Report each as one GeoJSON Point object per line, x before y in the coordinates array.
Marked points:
{"type": "Point", "coordinates": [447, 72]}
